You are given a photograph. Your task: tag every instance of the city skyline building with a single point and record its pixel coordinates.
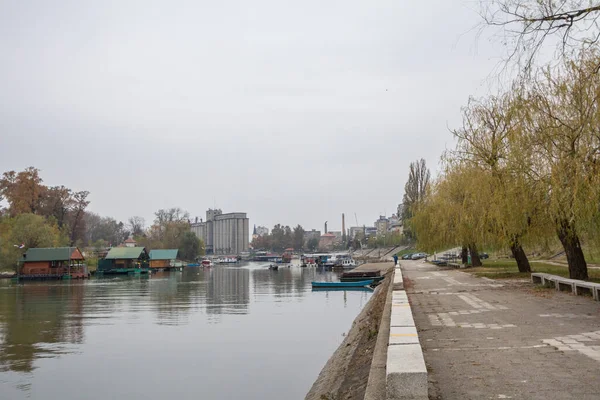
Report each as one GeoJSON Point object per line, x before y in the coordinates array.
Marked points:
{"type": "Point", "coordinates": [223, 233]}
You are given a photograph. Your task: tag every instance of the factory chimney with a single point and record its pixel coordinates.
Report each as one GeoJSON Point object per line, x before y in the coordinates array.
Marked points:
{"type": "Point", "coordinates": [343, 225]}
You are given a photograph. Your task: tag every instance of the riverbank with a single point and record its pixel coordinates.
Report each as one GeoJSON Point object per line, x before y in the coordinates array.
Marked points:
{"type": "Point", "coordinates": [346, 373]}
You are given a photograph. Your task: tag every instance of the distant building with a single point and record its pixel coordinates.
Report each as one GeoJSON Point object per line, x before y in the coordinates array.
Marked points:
{"type": "Point", "coordinates": [370, 231]}
{"type": "Point", "coordinates": [396, 224]}
{"type": "Point", "coordinates": [327, 241]}
{"type": "Point", "coordinates": [382, 225]}
{"type": "Point", "coordinates": [223, 233]}
{"type": "Point", "coordinates": [130, 242]}
{"type": "Point", "coordinates": [355, 230]}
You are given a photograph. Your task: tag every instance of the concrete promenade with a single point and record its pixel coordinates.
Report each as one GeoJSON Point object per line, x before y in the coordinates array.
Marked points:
{"type": "Point", "coordinates": [383, 267]}
{"type": "Point", "coordinates": [485, 339]}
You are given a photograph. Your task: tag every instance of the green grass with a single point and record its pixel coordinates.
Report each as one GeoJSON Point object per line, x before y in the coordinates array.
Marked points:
{"type": "Point", "coordinates": [405, 251]}
{"type": "Point", "coordinates": [507, 269]}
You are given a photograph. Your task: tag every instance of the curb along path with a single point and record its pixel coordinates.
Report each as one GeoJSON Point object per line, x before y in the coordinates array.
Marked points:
{"type": "Point", "coordinates": [406, 374]}
{"type": "Point", "coordinates": [485, 339]}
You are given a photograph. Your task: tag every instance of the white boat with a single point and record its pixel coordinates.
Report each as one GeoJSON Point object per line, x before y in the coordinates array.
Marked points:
{"type": "Point", "coordinates": [206, 263]}
{"type": "Point", "coordinates": [227, 260]}
{"type": "Point", "coordinates": [348, 263]}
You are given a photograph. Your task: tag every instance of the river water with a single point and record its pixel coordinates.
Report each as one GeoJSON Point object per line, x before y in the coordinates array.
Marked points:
{"type": "Point", "coordinates": [241, 332]}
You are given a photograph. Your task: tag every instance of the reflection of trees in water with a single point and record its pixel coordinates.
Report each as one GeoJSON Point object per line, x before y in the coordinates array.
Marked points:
{"type": "Point", "coordinates": [228, 291]}
{"type": "Point", "coordinates": [34, 318]}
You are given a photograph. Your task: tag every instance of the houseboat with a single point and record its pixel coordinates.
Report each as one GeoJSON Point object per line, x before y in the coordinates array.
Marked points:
{"type": "Point", "coordinates": [164, 260]}
{"type": "Point", "coordinates": [124, 261]}
{"type": "Point", "coordinates": [52, 263]}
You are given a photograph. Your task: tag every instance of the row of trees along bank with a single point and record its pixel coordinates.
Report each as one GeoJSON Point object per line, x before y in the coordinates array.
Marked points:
{"type": "Point", "coordinates": [525, 169]}
{"type": "Point", "coordinates": [37, 215]}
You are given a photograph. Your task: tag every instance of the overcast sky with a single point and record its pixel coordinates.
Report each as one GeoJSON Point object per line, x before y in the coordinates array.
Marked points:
{"type": "Point", "coordinates": [293, 112]}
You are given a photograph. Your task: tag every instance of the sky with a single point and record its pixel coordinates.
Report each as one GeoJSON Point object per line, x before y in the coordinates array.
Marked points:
{"type": "Point", "coordinates": [293, 112]}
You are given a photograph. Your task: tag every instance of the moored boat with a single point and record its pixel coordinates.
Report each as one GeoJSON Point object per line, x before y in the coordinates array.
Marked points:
{"type": "Point", "coordinates": [342, 284]}
{"type": "Point", "coordinates": [206, 263]}
{"type": "Point", "coordinates": [360, 278]}
{"type": "Point", "coordinates": [227, 260]}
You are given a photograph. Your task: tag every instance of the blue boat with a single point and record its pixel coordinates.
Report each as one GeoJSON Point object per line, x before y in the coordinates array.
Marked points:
{"type": "Point", "coordinates": [345, 289]}
{"type": "Point", "coordinates": [341, 284]}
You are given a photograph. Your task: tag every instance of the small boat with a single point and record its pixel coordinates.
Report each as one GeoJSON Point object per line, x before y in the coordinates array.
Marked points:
{"type": "Point", "coordinates": [342, 284]}
{"type": "Point", "coordinates": [207, 263]}
{"type": "Point", "coordinates": [360, 278]}
{"type": "Point", "coordinates": [274, 267]}
{"type": "Point", "coordinates": [227, 260]}
{"type": "Point", "coordinates": [343, 288]}
{"type": "Point", "coordinates": [193, 265]}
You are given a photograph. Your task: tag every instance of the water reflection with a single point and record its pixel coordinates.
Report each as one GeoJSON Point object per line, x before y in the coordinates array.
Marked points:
{"type": "Point", "coordinates": [35, 316]}
{"type": "Point", "coordinates": [161, 319]}
{"type": "Point", "coordinates": [228, 291]}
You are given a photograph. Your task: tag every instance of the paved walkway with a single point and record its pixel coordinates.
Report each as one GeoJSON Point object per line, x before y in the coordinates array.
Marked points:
{"type": "Point", "coordinates": [485, 339]}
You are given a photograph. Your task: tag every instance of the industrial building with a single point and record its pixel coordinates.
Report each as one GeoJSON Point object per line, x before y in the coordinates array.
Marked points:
{"type": "Point", "coordinates": [223, 233]}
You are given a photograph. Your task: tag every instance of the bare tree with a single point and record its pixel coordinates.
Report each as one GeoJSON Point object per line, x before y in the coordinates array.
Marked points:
{"type": "Point", "coordinates": [570, 25]}
{"type": "Point", "coordinates": [136, 225]}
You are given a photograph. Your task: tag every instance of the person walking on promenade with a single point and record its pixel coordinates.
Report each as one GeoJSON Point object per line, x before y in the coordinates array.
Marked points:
{"type": "Point", "coordinates": [395, 259]}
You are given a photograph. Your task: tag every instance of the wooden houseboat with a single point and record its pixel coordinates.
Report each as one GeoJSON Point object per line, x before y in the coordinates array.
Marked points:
{"type": "Point", "coordinates": [125, 260]}
{"type": "Point", "coordinates": [52, 263]}
{"type": "Point", "coordinates": [164, 259]}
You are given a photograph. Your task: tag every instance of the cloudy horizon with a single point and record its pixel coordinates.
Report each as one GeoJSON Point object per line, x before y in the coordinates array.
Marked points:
{"type": "Point", "coordinates": [292, 113]}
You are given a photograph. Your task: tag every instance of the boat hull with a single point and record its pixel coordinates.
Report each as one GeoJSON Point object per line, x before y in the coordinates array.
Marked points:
{"type": "Point", "coordinates": [342, 284]}
{"type": "Point", "coordinates": [358, 279]}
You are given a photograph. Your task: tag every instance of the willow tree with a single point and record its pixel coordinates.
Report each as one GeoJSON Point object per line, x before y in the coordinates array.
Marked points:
{"type": "Point", "coordinates": [488, 140]}
{"type": "Point", "coordinates": [454, 212]}
{"type": "Point", "coordinates": [562, 136]}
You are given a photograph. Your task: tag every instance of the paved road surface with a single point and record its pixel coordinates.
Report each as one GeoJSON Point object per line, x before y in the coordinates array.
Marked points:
{"type": "Point", "coordinates": [485, 339]}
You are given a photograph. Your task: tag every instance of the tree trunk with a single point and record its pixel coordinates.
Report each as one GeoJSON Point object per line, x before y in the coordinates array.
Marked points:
{"type": "Point", "coordinates": [464, 255]}
{"type": "Point", "coordinates": [475, 260]}
{"type": "Point", "coordinates": [519, 255]}
{"type": "Point", "coordinates": [570, 241]}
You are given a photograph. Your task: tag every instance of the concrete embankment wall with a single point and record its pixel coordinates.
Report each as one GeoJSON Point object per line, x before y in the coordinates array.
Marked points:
{"type": "Point", "coordinates": [346, 373]}
{"type": "Point", "coordinates": [381, 357]}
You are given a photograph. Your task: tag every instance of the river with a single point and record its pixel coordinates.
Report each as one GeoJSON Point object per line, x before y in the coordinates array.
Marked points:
{"type": "Point", "coordinates": [241, 332]}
